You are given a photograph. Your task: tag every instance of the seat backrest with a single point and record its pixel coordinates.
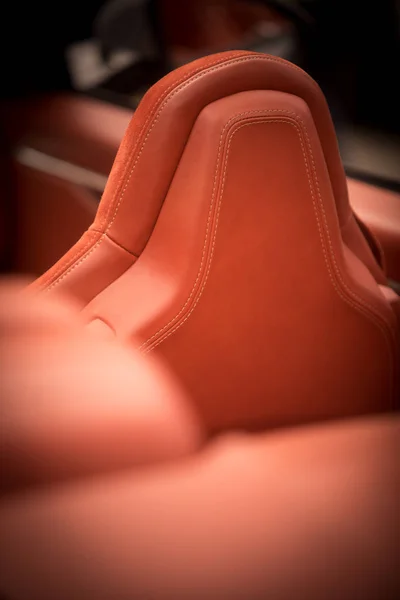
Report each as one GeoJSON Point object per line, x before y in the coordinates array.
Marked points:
{"type": "Point", "coordinates": [149, 153]}
{"type": "Point", "coordinates": [225, 243]}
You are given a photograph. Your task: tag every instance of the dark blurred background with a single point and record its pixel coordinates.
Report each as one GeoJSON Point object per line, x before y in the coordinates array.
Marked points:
{"type": "Point", "coordinates": [113, 50]}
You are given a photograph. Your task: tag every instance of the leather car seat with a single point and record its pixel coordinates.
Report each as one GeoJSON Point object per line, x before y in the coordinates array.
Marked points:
{"type": "Point", "coordinates": [225, 244]}
{"type": "Point", "coordinates": [86, 133]}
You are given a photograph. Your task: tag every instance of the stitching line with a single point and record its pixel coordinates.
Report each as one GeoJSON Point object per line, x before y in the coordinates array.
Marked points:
{"type": "Point", "coordinates": [159, 105]}
{"type": "Point", "coordinates": [362, 306]}
{"type": "Point", "coordinates": [326, 228]}
{"type": "Point", "coordinates": [210, 212]}
{"type": "Point", "coordinates": [178, 88]}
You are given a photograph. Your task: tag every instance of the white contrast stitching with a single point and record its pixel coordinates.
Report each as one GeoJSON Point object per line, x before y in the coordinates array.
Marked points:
{"type": "Point", "coordinates": [362, 306]}
{"type": "Point", "coordinates": [159, 106]}
{"type": "Point", "coordinates": [210, 211]}
{"type": "Point", "coordinates": [179, 86]}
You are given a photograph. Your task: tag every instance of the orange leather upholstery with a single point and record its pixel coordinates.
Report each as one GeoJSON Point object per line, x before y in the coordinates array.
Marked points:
{"type": "Point", "coordinates": [103, 496]}
{"type": "Point", "coordinates": [379, 209]}
{"type": "Point", "coordinates": [308, 514]}
{"type": "Point", "coordinates": [106, 493]}
{"type": "Point", "coordinates": [74, 405]}
{"type": "Point", "coordinates": [153, 145]}
{"type": "Point", "coordinates": [225, 244]}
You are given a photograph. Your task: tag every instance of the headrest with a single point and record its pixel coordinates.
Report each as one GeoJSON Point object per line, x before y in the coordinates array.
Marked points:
{"type": "Point", "coordinates": [152, 147]}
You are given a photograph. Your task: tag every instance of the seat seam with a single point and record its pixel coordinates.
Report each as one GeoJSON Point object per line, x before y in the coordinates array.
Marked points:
{"type": "Point", "coordinates": [235, 117]}
{"type": "Point", "coordinates": [228, 124]}
{"type": "Point", "coordinates": [181, 85]}
{"type": "Point", "coordinates": [363, 306]}
{"type": "Point", "coordinates": [152, 112]}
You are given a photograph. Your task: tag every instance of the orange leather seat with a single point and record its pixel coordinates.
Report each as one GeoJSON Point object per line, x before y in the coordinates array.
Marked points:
{"type": "Point", "coordinates": [225, 244]}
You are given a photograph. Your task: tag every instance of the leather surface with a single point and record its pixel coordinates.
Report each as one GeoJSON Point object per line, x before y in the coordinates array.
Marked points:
{"type": "Point", "coordinates": [238, 260]}
{"type": "Point", "coordinates": [74, 403]}
{"type": "Point", "coordinates": [107, 491]}
{"type": "Point", "coordinates": [307, 514]}
{"type": "Point", "coordinates": [248, 276]}
{"type": "Point", "coordinates": [220, 306]}
{"type": "Point", "coordinates": [379, 209]}
{"type": "Point", "coordinates": [156, 137]}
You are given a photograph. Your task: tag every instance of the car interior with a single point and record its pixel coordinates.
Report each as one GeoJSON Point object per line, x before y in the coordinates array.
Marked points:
{"type": "Point", "coordinates": [200, 302]}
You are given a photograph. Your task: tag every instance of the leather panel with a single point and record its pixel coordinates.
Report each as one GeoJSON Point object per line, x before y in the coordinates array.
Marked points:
{"type": "Point", "coordinates": [249, 217]}
{"type": "Point", "coordinates": [104, 262]}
